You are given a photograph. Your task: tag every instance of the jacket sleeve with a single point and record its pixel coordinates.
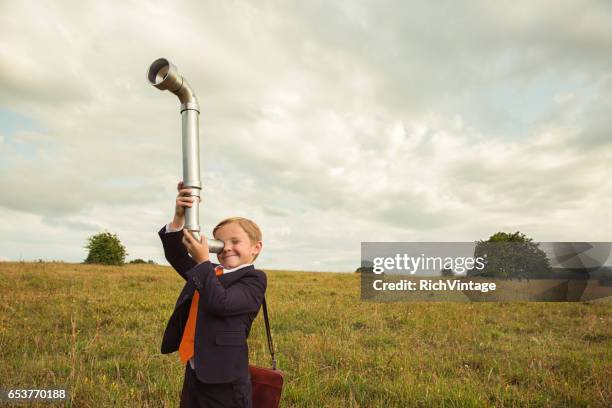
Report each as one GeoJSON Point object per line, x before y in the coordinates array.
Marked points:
{"type": "Point", "coordinates": [175, 252]}
{"type": "Point", "coordinates": [245, 296]}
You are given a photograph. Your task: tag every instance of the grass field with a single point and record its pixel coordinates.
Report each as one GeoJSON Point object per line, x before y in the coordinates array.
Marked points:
{"type": "Point", "coordinates": [97, 331]}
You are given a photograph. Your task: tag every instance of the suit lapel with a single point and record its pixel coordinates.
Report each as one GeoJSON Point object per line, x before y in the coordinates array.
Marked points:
{"type": "Point", "coordinates": [228, 279]}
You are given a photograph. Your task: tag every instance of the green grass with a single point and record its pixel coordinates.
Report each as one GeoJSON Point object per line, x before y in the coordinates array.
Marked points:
{"type": "Point", "coordinates": [97, 331]}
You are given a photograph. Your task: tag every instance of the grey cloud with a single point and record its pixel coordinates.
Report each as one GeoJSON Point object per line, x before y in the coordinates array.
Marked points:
{"type": "Point", "coordinates": [58, 186]}
{"type": "Point", "coordinates": [275, 211]}
{"type": "Point", "coordinates": [420, 66]}
{"type": "Point", "coordinates": [89, 227]}
{"type": "Point", "coordinates": [586, 113]}
{"type": "Point", "coordinates": [411, 213]}
{"type": "Point", "coordinates": [523, 184]}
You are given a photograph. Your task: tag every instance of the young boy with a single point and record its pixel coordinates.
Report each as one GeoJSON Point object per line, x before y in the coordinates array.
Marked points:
{"type": "Point", "coordinates": [215, 309]}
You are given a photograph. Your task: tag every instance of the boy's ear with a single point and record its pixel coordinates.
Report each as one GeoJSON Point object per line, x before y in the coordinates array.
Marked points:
{"type": "Point", "coordinates": [257, 250]}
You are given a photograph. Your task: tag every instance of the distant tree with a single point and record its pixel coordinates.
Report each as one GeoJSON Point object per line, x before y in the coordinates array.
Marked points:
{"type": "Point", "coordinates": [447, 272]}
{"type": "Point", "coordinates": [366, 267]}
{"type": "Point", "coordinates": [151, 262]}
{"type": "Point", "coordinates": [511, 255]}
{"type": "Point", "coordinates": [105, 248]}
{"type": "Point", "coordinates": [137, 261]}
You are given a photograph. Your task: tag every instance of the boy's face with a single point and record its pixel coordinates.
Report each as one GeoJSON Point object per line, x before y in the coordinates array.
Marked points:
{"type": "Point", "coordinates": [238, 248]}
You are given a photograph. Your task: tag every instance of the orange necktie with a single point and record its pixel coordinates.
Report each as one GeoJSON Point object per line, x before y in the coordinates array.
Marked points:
{"type": "Point", "coordinates": [186, 346]}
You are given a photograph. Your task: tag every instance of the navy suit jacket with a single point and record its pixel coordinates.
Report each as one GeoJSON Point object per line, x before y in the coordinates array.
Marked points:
{"type": "Point", "coordinates": [227, 307]}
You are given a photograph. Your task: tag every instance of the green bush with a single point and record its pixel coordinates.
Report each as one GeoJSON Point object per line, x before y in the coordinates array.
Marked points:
{"type": "Point", "coordinates": [105, 248]}
{"type": "Point", "coordinates": [142, 261]}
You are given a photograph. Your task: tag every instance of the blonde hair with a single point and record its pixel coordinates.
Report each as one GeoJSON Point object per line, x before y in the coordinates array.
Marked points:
{"type": "Point", "coordinates": [248, 226]}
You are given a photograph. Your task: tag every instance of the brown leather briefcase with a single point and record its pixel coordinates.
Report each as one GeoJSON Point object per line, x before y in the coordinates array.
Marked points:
{"type": "Point", "coordinates": [266, 383]}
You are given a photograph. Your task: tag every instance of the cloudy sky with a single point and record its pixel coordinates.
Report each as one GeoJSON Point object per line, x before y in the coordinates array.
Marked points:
{"type": "Point", "coordinates": [328, 123]}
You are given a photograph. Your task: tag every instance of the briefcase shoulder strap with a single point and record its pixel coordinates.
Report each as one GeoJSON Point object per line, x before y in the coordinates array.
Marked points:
{"type": "Point", "coordinates": [269, 333]}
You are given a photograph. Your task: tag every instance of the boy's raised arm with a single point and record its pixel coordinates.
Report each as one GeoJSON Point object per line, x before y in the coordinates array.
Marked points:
{"type": "Point", "coordinates": [175, 251]}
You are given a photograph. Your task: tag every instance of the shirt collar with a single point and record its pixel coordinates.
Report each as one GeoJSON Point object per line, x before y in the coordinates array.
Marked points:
{"type": "Point", "coordinates": [236, 268]}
